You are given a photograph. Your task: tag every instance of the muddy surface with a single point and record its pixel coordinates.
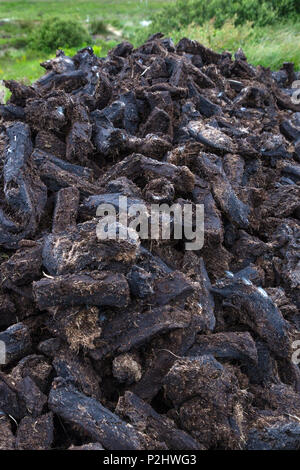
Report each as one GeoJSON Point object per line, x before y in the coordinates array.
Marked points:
{"type": "Point", "coordinates": [142, 344]}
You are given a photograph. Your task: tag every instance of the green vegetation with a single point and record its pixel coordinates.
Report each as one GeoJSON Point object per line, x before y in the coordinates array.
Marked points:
{"type": "Point", "coordinates": [262, 12]}
{"type": "Point", "coordinates": [31, 30]}
{"type": "Point", "coordinates": [267, 30]}
{"type": "Point", "coordinates": [55, 33]}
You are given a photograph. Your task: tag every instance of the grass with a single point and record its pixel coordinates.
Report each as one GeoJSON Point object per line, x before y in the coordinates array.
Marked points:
{"type": "Point", "coordinates": [121, 11]}
{"type": "Point", "coordinates": [271, 46]}
{"type": "Point", "coordinates": [110, 21]}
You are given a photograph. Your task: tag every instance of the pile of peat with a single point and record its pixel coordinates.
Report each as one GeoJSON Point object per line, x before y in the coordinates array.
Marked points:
{"type": "Point", "coordinates": [143, 344]}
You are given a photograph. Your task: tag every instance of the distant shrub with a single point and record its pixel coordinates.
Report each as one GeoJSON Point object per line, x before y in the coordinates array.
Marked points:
{"type": "Point", "coordinates": [55, 33]}
{"type": "Point", "coordinates": [98, 27]}
{"type": "Point", "coordinates": [25, 25]}
{"type": "Point", "coordinates": [19, 42]}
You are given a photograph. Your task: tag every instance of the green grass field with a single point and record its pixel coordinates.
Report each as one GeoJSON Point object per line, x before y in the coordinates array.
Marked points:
{"type": "Point", "coordinates": [19, 18]}
{"type": "Point", "coordinates": [125, 19]}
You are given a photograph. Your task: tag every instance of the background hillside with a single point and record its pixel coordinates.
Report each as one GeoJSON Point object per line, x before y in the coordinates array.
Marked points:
{"type": "Point", "coordinates": [31, 30]}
